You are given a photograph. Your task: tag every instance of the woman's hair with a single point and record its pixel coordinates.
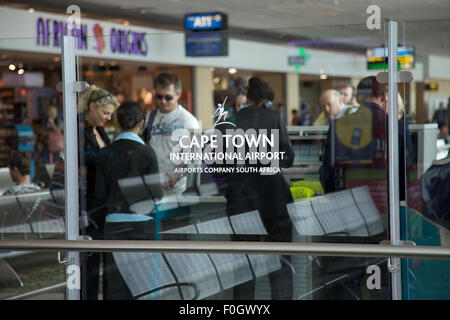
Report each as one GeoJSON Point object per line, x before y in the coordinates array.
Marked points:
{"type": "Point", "coordinates": [53, 109]}
{"type": "Point", "coordinates": [129, 114]}
{"type": "Point", "coordinates": [98, 97]}
{"type": "Point", "coordinates": [259, 90]}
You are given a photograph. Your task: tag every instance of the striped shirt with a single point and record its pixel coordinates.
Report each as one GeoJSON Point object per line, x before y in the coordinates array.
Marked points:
{"type": "Point", "coordinates": [22, 188]}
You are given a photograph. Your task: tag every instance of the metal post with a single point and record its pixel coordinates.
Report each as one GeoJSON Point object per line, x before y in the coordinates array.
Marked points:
{"type": "Point", "coordinates": [71, 160]}
{"type": "Point", "coordinates": [393, 165]}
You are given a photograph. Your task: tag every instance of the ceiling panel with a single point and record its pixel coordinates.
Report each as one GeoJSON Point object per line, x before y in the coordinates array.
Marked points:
{"type": "Point", "coordinates": [338, 22]}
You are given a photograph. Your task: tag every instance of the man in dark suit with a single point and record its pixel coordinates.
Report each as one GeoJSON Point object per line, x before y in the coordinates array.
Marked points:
{"type": "Point", "coordinates": [269, 194]}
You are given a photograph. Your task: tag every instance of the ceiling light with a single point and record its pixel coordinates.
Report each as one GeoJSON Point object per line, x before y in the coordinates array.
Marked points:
{"type": "Point", "coordinates": [20, 71]}
{"type": "Point", "coordinates": [31, 10]}
{"type": "Point", "coordinates": [323, 76]}
{"type": "Point", "coordinates": [216, 80]}
{"type": "Point", "coordinates": [12, 67]}
{"type": "Point", "coordinates": [126, 23]}
{"type": "Point", "coordinates": [232, 70]}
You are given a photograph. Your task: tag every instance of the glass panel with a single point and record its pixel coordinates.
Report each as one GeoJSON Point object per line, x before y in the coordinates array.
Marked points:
{"type": "Point", "coordinates": [31, 275]}
{"type": "Point", "coordinates": [31, 186]}
{"type": "Point", "coordinates": [425, 216]}
{"type": "Point", "coordinates": [191, 191]}
{"type": "Point", "coordinates": [177, 276]}
{"type": "Point", "coordinates": [31, 140]}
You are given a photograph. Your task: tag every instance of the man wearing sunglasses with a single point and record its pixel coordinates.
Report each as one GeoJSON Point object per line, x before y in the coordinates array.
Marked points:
{"type": "Point", "coordinates": [161, 123]}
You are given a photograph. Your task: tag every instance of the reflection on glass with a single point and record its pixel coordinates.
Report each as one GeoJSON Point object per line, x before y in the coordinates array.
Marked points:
{"type": "Point", "coordinates": [332, 188]}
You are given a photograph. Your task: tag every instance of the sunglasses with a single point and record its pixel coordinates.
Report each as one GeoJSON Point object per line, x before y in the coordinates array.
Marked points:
{"type": "Point", "coordinates": [167, 97]}
{"type": "Point", "coordinates": [105, 96]}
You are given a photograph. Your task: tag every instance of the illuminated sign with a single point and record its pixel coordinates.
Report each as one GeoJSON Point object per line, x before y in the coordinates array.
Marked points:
{"type": "Point", "coordinates": [49, 33]}
{"type": "Point", "coordinates": [205, 22]}
{"type": "Point", "coordinates": [130, 42]}
{"type": "Point", "coordinates": [296, 60]}
{"type": "Point", "coordinates": [206, 44]}
{"type": "Point", "coordinates": [432, 86]}
{"type": "Point", "coordinates": [377, 58]}
{"type": "Point", "coordinates": [204, 38]}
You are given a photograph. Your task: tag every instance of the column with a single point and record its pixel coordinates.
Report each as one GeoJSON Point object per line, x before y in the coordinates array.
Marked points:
{"type": "Point", "coordinates": [203, 95]}
{"type": "Point", "coordinates": [292, 85]}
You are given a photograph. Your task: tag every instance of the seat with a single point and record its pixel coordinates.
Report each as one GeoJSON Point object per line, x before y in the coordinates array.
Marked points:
{"type": "Point", "coordinates": [250, 223]}
{"type": "Point", "coordinates": [369, 211]}
{"type": "Point", "coordinates": [233, 269]}
{"type": "Point", "coordinates": [13, 219]}
{"type": "Point", "coordinates": [303, 218]}
{"type": "Point", "coordinates": [149, 277]}
{"type": "Point", "coordinates": [193, 268]}
{"type": "Point", "coordinates": [137, 195]}
{"type": "Point", "coordinates": [338, 213]}
{"type": "Point", "coordinates": [32, 206]}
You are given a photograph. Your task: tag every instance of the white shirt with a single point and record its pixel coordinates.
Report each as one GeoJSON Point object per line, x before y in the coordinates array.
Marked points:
{"type": "Point", "coordinates": [163, 127]}
{"type": "Point", "coordinates": [344, 108]}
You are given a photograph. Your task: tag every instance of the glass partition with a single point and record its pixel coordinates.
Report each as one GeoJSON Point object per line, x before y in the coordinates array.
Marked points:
{"type": "Point", "coordinates": [31, 176]}
{"type": "Point", "coordinates": [425, 214]}
{"type": "Point", "coordinates": [213, 153]}
{"type": "Point", "coordinates": [237, 172]}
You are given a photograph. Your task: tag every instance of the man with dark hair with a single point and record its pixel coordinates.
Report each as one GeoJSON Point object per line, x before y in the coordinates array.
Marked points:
{"type": "Point", "coordinates": [162, 122]}
{"type": "Point", "coordinates": [19, 165]}
{"type": "Point", "coordinates": [269, 194]}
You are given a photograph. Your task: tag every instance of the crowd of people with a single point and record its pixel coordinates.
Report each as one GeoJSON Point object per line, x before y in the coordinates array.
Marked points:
{"type": "Point", "coordinates": [357, 132]}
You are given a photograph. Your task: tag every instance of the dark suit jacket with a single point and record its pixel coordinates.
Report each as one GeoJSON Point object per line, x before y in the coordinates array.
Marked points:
{"type": "Point", "coordinates": [124, 159]}
{"type": "Point", "coordinates": [252, 191]}
{"type": "Point", "coordinates": [91, 149]}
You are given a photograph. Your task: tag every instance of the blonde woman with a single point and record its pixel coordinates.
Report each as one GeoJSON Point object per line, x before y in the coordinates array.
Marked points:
{"type": "Point", "coordinates": [97, 107]}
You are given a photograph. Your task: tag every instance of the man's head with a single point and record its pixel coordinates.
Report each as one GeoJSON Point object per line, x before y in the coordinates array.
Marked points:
{"type": "Point", "coordinates": [167, 92]}
{"type": "Point", "coordinates": [19, 165]}
{"type": "Point", "coordinates": [347, 94]}
{"type": "Point", "coordinates": [259, 91]}
{"type": "Point", "coordinates": [130, 116]}
{"type": "Point", "coordinates": [441, 106]}
{"type": "Point", "coordinates": [370, 90]}
{"type": "Point", "coordinates": [331, 103]}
